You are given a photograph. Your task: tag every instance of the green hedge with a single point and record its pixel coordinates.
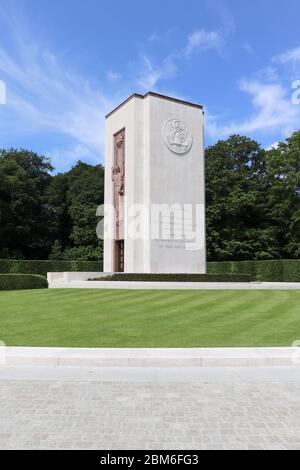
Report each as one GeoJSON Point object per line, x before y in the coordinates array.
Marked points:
{"type": "Point", "coordinates": [264, 271]}
{"type": "Point", "coordinates": [178, 278]}
{"type": "Point", "coordinates": [267, 271]}
{"type": "Point", "coordinates": [44, 267]}
{"type": "Point", "coordinates": [22, 282]}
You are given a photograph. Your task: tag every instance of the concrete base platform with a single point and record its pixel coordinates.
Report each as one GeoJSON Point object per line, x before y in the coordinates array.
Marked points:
{"type": "Point", "coordinates": [81, 281]}
{"type": "Point", "coordinates": [151, 358]}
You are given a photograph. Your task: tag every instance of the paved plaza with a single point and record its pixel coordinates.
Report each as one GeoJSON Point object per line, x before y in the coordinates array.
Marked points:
{"type": "Point", "coordinates": [178, 409]}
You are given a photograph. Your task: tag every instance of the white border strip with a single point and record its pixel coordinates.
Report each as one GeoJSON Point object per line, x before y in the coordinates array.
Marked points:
{"type": "Point", "coordinates": [152, 358]}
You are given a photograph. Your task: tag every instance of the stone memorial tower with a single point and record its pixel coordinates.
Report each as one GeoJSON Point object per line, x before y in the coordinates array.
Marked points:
{"type": "Point", "coordinates": [155, 187]}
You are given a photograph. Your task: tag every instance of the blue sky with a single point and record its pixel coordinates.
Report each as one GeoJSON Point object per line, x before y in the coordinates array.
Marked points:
{"type": "Point", "coordinates": [66, 63]}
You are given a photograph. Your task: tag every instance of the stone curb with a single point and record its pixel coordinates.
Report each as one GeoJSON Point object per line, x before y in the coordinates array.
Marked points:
{"type": "Point", "coordinates": [151, 358]}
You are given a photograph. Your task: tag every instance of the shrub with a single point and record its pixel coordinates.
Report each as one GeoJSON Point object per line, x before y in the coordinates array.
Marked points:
{"type": "Point", "coordinates": [22, 282]}
{"type": "Point", "coordinates": [178, 277]}
{"type": "Point", "coordinates": [291, 270]}
{"type": "Point", "coordinates": [44, 267]}
{"type": "Point", "coordinates": [263, 271]}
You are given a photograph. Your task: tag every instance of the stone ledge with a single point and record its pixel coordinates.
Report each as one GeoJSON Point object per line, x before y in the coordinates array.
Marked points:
{"type": "Point", "coordinates": [151, 358]}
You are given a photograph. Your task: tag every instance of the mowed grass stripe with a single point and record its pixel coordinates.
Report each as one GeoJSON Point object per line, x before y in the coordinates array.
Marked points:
{"type": "Point", "coordinates": [255, 316]}
{"type": "Point", "coordinates": [106, 318]}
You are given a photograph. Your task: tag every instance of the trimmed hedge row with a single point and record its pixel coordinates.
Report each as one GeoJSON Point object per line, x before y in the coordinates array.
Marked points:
{"type": "Point", "coordinates": [263, 271]}
{"type": "Point", "coordinates": [44, 267]}
{"type": "Point", "coordinates": [178, 278]}
{"type": "Point", "coordinates": [22, 282]}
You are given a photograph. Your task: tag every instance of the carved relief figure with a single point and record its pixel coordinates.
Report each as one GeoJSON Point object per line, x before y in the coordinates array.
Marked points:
{"type": "Point", "coordinates": [118, 178]}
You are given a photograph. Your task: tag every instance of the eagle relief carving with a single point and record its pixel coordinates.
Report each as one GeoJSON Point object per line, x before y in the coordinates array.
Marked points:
{"type": "Point", "coordinates": [177, 136]}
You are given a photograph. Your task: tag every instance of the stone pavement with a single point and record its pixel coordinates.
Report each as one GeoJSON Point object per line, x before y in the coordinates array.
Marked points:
{"type": "Point", "coordinates": [72, 408]}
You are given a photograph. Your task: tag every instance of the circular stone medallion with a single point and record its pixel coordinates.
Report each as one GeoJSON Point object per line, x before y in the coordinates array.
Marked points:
{"type": "Point", "coordinates": [177, 136]}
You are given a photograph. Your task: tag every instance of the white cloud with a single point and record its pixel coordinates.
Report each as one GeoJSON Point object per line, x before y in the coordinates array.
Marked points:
{"type": "Point", "coordinates": [274, 111]}
{"type": "Point", "coordinates": [113, 76]}
{"type": "Point", "coordinates": [51, 99]}
{"type": "Point", "coordinates": [272, 101]}
{"type": "Point", "coordinates": [267, 74]}
{"type": "Point", "coordinates": [205, 40]}
{"type": "Point", "coordinates": [288, 57]}
{"type": "Point", "coordinates": [163, 38]}
{"type": "Point", "coordinates": [45, 96]}
{"type": "Point", "coordinates": [65, 157]}
{"type": "Point", "coordinates": [152, 74]}
{"type": "Point", "coordinates": [248, 48]}
{"type": "Point", "coordinates": [225, 15]}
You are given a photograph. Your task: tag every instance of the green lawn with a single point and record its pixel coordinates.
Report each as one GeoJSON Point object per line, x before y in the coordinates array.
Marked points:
{"type": "Point", "coordinates": [106, 318]}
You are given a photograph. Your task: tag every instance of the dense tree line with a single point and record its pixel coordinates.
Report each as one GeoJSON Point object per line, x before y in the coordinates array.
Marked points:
{"type": "Point", "coordinates": [253, 204]}
{"type": "Point", "coordinates": [44, 216]}
{"type": "Point", "coordinates": [253, 200]}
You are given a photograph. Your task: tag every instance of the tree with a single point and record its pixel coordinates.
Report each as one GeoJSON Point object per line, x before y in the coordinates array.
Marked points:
{"type": "Point", "coordinates": [237, 228]}
{"type": "Point", "coordinates": [283, 196]}
{"type": "Point", "coordinates": [27, 223]}
{"type": "Point", "coordinates": [42, 215]}
{"type": "Point", "coordinates": [57, 197]}
{"type": "Point", "coordinates": [85, 192]}
{"type": "Point", "coordinates": [56, 253]}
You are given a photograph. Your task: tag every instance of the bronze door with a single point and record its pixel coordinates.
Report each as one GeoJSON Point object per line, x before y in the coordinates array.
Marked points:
{"type": "Point", "coordinates": [120, 256]}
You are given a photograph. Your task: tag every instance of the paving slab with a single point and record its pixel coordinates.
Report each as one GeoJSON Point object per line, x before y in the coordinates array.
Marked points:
{"type": "Point", "coordinates": [79, 374]}
{"type": "Point", "coordinates": [149, 409]}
